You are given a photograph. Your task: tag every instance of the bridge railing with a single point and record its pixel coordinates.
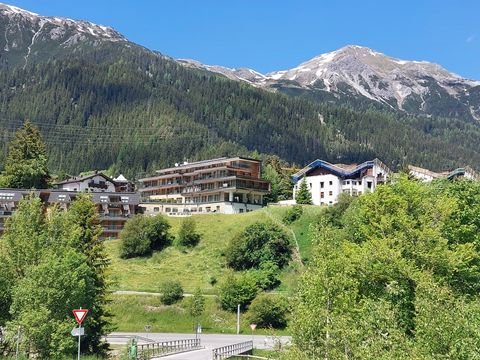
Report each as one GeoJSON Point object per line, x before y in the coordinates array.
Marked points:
{"type": "Point", "coordinates": [228, 351]}
{"type": "Point", "coordinates": [146, 351]}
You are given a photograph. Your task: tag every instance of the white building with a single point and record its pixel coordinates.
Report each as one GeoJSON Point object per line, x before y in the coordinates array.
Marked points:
{"type": "Point", "coordinates": [93, 183]}
{"type": "Point", "coordinates": [327, 181]}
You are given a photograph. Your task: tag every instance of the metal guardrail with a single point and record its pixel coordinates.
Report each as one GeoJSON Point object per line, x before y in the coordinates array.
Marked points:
{"type": "Point", "coordinates": [146, 351]}
{"type": "Point", "coordinates": [228, 351]}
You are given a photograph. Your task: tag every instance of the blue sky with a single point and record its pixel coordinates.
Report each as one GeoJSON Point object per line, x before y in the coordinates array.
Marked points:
{"type": "Point", "coordinates": [269, 35]}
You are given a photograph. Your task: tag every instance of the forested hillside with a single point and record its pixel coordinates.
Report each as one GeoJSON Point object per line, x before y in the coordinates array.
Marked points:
{"type": "Point", "coordinates": [117, 105]}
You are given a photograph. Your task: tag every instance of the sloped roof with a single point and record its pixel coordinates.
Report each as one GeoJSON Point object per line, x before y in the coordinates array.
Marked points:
{"type": "Point", "coordinates": [82, 178]}
{"type": "Point", "coordinates": [121, 178]}
{"type": "Point", "coordinates": [341, 170]}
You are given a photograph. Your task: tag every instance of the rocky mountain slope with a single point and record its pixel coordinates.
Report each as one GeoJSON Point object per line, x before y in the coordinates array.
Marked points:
{"type": "Point", "coordinates": [28, 37]}
{"type": "Point", "coordinates": [416, 87]}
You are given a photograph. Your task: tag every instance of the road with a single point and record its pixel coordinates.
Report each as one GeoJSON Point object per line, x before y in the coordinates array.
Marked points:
{"type": "Point", "coordinates": [209, 341]}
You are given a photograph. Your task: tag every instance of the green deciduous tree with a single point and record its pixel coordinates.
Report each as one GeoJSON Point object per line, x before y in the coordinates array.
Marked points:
{"type": "Point", "coordinates": [281, 186]}
{"type": "Point", "coordinates": [85, 233]}
{"type": "Point", "coordinates": [187, 236]}
{"type": "Point", "coordinates": [144, 234]}
{"type": "Point", "coordinates": [303, 195]}
{"type": "Point", "coordinates": [395, 277]}
{"type": "Point", "coordinates": [257, 244]}
{"type": "Point", "coordinates": [43, 301]}
{"type": "Point", "coordinates": [53, 262]}
{"type": "Point", "coordinates": [235, 290]}
{"type": "Point", "coordinates": [268, 311]}
{"type": "Point", "coordinates": [171, 292]}
{"type": "Point", "coordinates": [196, 306]}
{"type": "Point", "coordinates": [26, 163]}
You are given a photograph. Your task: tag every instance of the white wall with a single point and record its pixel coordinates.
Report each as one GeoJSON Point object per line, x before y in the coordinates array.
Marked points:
{"type": "Point", "coordinates": [333, 186]}
{"type": "Point", "coordinates": [83, 185]}
{"type": "Point", "coordinates": [217, 207]}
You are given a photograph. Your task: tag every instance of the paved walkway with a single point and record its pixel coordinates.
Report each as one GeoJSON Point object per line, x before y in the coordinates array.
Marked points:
{"type": "Point", "coordinates": [145, 293]}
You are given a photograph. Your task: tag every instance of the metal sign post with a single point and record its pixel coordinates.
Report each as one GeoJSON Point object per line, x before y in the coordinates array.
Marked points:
{"type": "Point", "coordinates": [147, 329]}
{"type": "Point", "coordinates": [80, 315]}
{"type": "Point", "coordinates": [253, 326]}
{"type": "Point", "coordinates": [79, 336]}
{"type": "Point", "coordinates": [18, 343]}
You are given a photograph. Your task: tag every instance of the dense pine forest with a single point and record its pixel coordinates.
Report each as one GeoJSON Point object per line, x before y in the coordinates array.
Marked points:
{"type": "Point", "coordinates": [133, 110]}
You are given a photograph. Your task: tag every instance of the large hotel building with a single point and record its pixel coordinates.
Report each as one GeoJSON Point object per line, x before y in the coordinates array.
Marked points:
{"type": "Point", "coordinates": [224, 185]}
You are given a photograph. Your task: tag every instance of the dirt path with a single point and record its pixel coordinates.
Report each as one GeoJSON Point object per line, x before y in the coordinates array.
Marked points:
{"type": "Point", "coordinates": [296, 251]}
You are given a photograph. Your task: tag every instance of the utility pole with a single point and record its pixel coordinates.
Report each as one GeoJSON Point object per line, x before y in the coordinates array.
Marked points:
{"type": "Point", "coordinates": [238, 319]}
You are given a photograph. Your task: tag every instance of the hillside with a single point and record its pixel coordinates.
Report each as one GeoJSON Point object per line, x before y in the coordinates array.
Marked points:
{"type": "Point", "coordinates": [117, 105]}
{"type": "Point", "coordinates": [195, 268]}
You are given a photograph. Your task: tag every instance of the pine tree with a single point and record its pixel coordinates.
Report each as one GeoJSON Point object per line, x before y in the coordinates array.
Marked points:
{"type": "Point", "coordinates": [303, 195]}
{"type": "Point", "coordinates": [26, 163]}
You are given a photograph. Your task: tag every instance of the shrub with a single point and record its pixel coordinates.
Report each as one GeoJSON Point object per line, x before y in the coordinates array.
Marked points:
{"type": "Point", "coordinates": [237, 289]}
{"type": "Point", "coordinates": [267, 277]}
{"type": "Point", "coordinates": [259, 243]}
{"type": "Point", "coordinates": [135, 241]}
{"type": "Point", "coordinates": [293, 214]}
{"type": "Point", "coordinates": [144, 234]}
{"type": "Point", "coordinates": [171, 292]}
{"type": "Point", "coordinates": [212, 280]}
{"type": "Point", "coordinates": [187, 235]}
{"type": "Point", "coordinates": [269, 311]}
{"type": "Point", "coordinates": [158, 232]}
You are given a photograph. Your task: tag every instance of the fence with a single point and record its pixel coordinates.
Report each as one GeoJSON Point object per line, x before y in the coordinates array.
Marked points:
{"type": "Point", "coordinates": [228, 351]}
{"type": "Point", "coordinates": [146, 351]}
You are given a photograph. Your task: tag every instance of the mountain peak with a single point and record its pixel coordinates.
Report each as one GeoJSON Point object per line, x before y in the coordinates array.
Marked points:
{"type": "Point", "coordinates": [15, 10]}
{"type": "Point", "coordinates": [57, 25]}
{"type": "Point", "coordinates": [355, 71]}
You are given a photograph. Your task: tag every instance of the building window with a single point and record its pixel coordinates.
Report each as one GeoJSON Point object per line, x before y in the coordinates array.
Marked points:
{"type": "Point", "coordinates": [241, 211]}
{"type": "Point", "coordinates": [330, 193]}
{"type": "Point", "coordinates": [310, 185]}
{"type": "Point", "coordinates": [156, 209]}
{"type": "Point", "coordinates": [369, 184]}
{"type": "Point", "coordinates": [348, 182]}
{"type": "Point", "coordinates": [321, 184]}
{"type": "Point", "coordinates": [330, 183]}
{"type": "Point", "coordinates": [322, 195]}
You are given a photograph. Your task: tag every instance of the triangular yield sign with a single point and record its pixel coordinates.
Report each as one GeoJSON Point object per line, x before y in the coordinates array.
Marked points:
{"type": "Point", "coordinates": [80, 315]}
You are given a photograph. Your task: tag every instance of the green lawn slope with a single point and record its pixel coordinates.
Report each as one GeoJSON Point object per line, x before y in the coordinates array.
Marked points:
{"type": "Point", "coordinates": [194, 268]}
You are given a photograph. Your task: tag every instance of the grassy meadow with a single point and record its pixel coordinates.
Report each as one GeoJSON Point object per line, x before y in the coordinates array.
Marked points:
{"type": "Point", "coordinates": [194, 268]}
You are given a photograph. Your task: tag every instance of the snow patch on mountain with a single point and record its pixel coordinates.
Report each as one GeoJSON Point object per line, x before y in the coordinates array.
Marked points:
{"type": "Point", "coordinates": [58, 26]}
{"type": "Point", "coordinates": [364, 72]}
